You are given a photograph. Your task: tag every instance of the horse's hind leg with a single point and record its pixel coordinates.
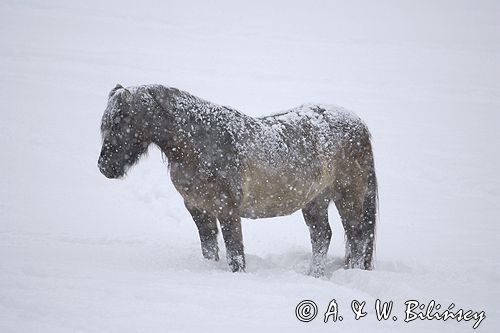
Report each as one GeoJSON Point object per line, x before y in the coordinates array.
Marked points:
{"type": "Point", "coordinates": [207, 228]}
{"type": "Point", "coordinates": [316, 216]}
{"type": "Point", "coordinates": [356, 201]}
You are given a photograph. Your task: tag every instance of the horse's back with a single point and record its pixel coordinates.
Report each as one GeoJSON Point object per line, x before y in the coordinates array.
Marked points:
{"type": "Point", "coordinates": [310, 132]}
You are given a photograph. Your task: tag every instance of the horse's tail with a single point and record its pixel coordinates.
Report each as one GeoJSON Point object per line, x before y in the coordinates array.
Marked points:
{"type": "Point", "coordinates": [370, 211]}
{"type": "Point", "coordinates": [357, 201]}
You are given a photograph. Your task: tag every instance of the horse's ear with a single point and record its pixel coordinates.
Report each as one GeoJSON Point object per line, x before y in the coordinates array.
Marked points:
{"type": "Point", "coordinates": [127, 94]}
{"type": "Point", "coordinates": [117, 87]}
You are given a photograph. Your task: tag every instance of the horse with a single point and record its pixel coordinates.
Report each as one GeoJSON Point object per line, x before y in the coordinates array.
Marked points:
{"type": "Point", "coordinates": [227, 165]}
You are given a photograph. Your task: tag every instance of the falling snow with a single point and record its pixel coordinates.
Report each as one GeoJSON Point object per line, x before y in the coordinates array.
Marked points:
{"type": "Point", "coordinates": [81, 253]}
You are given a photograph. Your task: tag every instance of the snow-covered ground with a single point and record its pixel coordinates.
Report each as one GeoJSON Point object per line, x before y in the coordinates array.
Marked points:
{"type": "Point", "coordinates": [79, 252]}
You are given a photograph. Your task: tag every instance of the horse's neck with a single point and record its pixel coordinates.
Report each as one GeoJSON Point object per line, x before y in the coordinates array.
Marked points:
{"type": "Point", "coordinates": [191, 114]}
{"type": "Point", "coordinates": [175, 137]}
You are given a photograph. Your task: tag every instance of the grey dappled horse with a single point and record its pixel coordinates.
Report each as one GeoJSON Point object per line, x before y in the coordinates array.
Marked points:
{"type": "Point", "coordinates": [227, 165]}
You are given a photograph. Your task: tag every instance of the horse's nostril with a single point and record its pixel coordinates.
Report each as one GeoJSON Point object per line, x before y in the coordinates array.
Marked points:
{"type": "Point", "coordinates": [105, 170]}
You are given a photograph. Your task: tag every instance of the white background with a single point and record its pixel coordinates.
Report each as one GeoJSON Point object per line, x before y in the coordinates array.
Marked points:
{"type": "Point", "coordinates": [79, 252]}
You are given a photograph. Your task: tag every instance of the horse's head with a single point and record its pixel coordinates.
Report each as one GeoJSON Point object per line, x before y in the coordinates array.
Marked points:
{"type": "Point", "coordinates": [125, 132]}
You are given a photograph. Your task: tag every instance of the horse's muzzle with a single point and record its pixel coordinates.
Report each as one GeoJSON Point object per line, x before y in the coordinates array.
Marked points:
{"type": "Point", "coordinates": [108, 170]}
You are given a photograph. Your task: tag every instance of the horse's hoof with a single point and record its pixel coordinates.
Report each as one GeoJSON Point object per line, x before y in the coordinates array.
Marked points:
{"type": "Point", "coordinates": [316, 272]}
{"type": "Point", "coordinates": [237, 268]}
{"type": "Point", "coordinates": [237, 264]}
{"type": "Point", "coordinates": [211, 256]}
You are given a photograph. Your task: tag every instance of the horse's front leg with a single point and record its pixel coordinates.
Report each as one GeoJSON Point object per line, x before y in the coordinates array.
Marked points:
{"type": "Point", "coordinates": [230, 224]}
{"type": "Point", "coordinates": [207, 228]}
{"type": "Point", "coordinates": [316, 216]}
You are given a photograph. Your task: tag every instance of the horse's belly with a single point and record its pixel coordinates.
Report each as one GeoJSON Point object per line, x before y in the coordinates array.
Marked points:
{"type": "Point", "coordinates": [269, 196]}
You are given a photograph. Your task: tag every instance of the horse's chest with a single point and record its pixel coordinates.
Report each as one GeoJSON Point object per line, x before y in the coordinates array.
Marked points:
{"type": "Point", "coordinates": [195, 184]}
